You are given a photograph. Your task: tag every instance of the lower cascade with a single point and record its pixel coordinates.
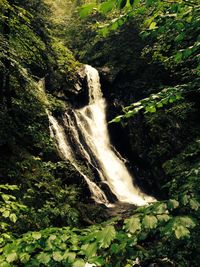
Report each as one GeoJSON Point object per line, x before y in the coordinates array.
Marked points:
{"type": "Point", "coordinates": [84, 132]}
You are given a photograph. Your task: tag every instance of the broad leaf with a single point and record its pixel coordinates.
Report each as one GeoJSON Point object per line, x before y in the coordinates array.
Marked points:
{"type": "Point", "coordinates": [133, 224]}
{"type": "Point", "coordinates": [89, 249]}
{"type": "Point", "coordinates": [163, 217]}
{"type": "Point", "coordinates": [13, 217]}
{"type": "Point", "coordinates": [79, 263]}
{"type": "Point", "coordinates": [106, 236]}
{"type": "Point", "coordinates": [57, 256]}
{"type": "Point", "coordinates": [36, 235]}
{"type": "Point", "coordinates": [12, 257]}
{"type": "Point", "coordinates": [152, 26]}
{"type": "Point", "coordinates": [173, 204]}
{"type": "Point", "coordinates": [150, 221]}
{"type": "Point", "coordinates": [86, 10]}
{"type": "Point", "coordinates": [181, 232]}
{"type": "Point", "coordinates": [107, 6]}
{"type": "Point", "coordinates": [194, 204]}
{"type": "Point", "coordinates": [44, 258]}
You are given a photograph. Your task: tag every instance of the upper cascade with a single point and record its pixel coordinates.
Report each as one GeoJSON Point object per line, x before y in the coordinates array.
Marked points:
{"type": "Point", "coordinates": [93, 84]}
{"type": "Point", "coordinates": [85, 133]}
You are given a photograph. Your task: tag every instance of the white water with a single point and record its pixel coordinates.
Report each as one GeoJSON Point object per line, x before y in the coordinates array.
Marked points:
{"type": "Point", "coordinates": [85, 130]}
{"type": "Point", "coordinates": [66, 153]}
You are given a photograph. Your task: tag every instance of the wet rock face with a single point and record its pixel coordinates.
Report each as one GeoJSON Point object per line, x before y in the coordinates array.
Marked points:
{"type": "Point", "coordinates": [78, 94]}
{"type": "Point", "coordinates": [81, 89]}
{"type": "Point", "coordinates": [76, 91]}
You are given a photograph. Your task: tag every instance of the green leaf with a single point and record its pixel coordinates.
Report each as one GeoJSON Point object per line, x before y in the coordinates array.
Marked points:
{"type": "Point", "coordinates": [13, 217]}
{"type": "Point", "coordinates": [57, 256]}
{"type": "Point", "coordinates": [52, 237]}
{"type": "Point", "coordinates": [90, 249]}
{"type": "Point", "coordinates": [79, 263]}
{"type": "Point", "coordinates": [6, 213]}
{"type": "Point", "coordinates": [36, 235]}
{"type": "Point", "coordinates": [180, 37]}
{"type": "Point", "coordinates": [181, 232]}
{"type": "Point", "coordinates": [152, 26]}
{"type": "Point", "coordinates": [165, 100]}
{"type": "Point", "coordinates": [185, 199]}
{"type": "Point", "coordinates": [135, 2]}
{"type": "Point", "coordinates": [150, 221]}
{"type": "Point", "coordinates": [107, 6]}
{"type": "Point", "coordinates": [24, 257]}
{"type": "Point", "coordinates": [133, 224]}
{"type": "Point", "coordinates": [104, 31]}
{"type": "Point", "coordinates": [185, 221]}
{"type": "Point", "coordinates": [194, 204]}
{"type": "Point", "coordinates": [163, 217]}
{"type": "Point", "coordinates": [12, 257]}
{"type": "Point", "coordinates": [150, 109]}
{"type": "Point", "coordinates": [172, 204]}
{"type": "Point", "coordinates": [99, 261]}
{"type": "Point", "coordinates": [172, 99]}
{"type": "Point", "coordinates": [149, 2]}
{"type": "Point", "coordinates": [187, 52]}
{"type": "Point", "coordinates": [180, 26]}
{"type": "Point", "coordinates": [86, 10]}
{"type": "Point", "coordinates": [44, 258]}
{"type": "Point", "coordinates": [179, 96]}
{"type": "Point", "coordinates": [159, 105]}
{"type": "Point", "coordinates": [178, 57]}
{"type": "Point", "coordinates": [130, 113]}
{"type": "Point", "coordinates": [106, 236]}
{"type": "Point", "coordinates": [117, 119]}
{"type": "Point", "coordinates": [137, 104]}
{"type": "Point", "coordinates": [5, 264]}
{"type": "Point", "coordinates": [69, 256]}
{"type": "Point", "coordinates": [159, 208]}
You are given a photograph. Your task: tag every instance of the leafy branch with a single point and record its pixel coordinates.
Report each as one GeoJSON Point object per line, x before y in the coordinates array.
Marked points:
{"type": "Point", "coordinates": [151, 103]}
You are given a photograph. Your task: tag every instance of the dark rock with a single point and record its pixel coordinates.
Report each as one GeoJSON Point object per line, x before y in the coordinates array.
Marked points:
{"type": "Point", "coordinates": [106, 189]}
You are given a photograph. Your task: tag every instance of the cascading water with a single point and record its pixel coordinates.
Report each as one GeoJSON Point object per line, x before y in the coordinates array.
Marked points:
{"type": "Point", "coordinates": [66, 153]}
{"type": "Point", "coordinates": [85, 132]}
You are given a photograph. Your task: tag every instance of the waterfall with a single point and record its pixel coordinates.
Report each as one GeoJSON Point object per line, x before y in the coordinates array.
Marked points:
{"type": "Point", "coordinates": [84, 133]}
{"type": "Point", "coordinates": [66, 153]}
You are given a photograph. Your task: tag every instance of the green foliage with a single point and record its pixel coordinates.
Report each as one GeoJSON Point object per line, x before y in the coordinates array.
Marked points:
{"type": "Point", "coordinates": [10, 207]}
{"type": "Point", "coordinates": [151, 103]}
{"type": "Point", "coordinates": [173, 28]}
{"type": "Point", "coordinates": [101, 245]}
{"type": "Point", "coordinates": [87, 9]}
{"type": "Point", "coordinates": [65, 61]}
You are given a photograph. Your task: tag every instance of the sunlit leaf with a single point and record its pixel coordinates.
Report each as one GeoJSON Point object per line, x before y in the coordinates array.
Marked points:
{"type": "Point", "coordinates": [44, 258]}
{"type": "Point", "coordinates": [86, 10]}
{"type": "Point", "coordinates": [13, 217]}
{"type": "Point", "coordinates": [107, 6]}
{"type": "Point", "coordinates": [57, 256]}
{"type": "Point", "coordinates": [150, 221]}
{"type": "Point", "coordinates": [173, 204]}
{"type": "Point", "coordinates": [106, 236]}
{"type": "Point", "coordinates": [79, 263]}
{"type": "Point", "coordinates": [90, 249]}
{"type": "Point", "coordinates": [153, 26]}
{"type": "Point", "coordinates": [36, 235]}
{"type": "Point", "coordinates": [181, 232]}
{"type": "Point", "coordinates": [133, 224]}
{"type": "Point", "coordinates": [12, 257]}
